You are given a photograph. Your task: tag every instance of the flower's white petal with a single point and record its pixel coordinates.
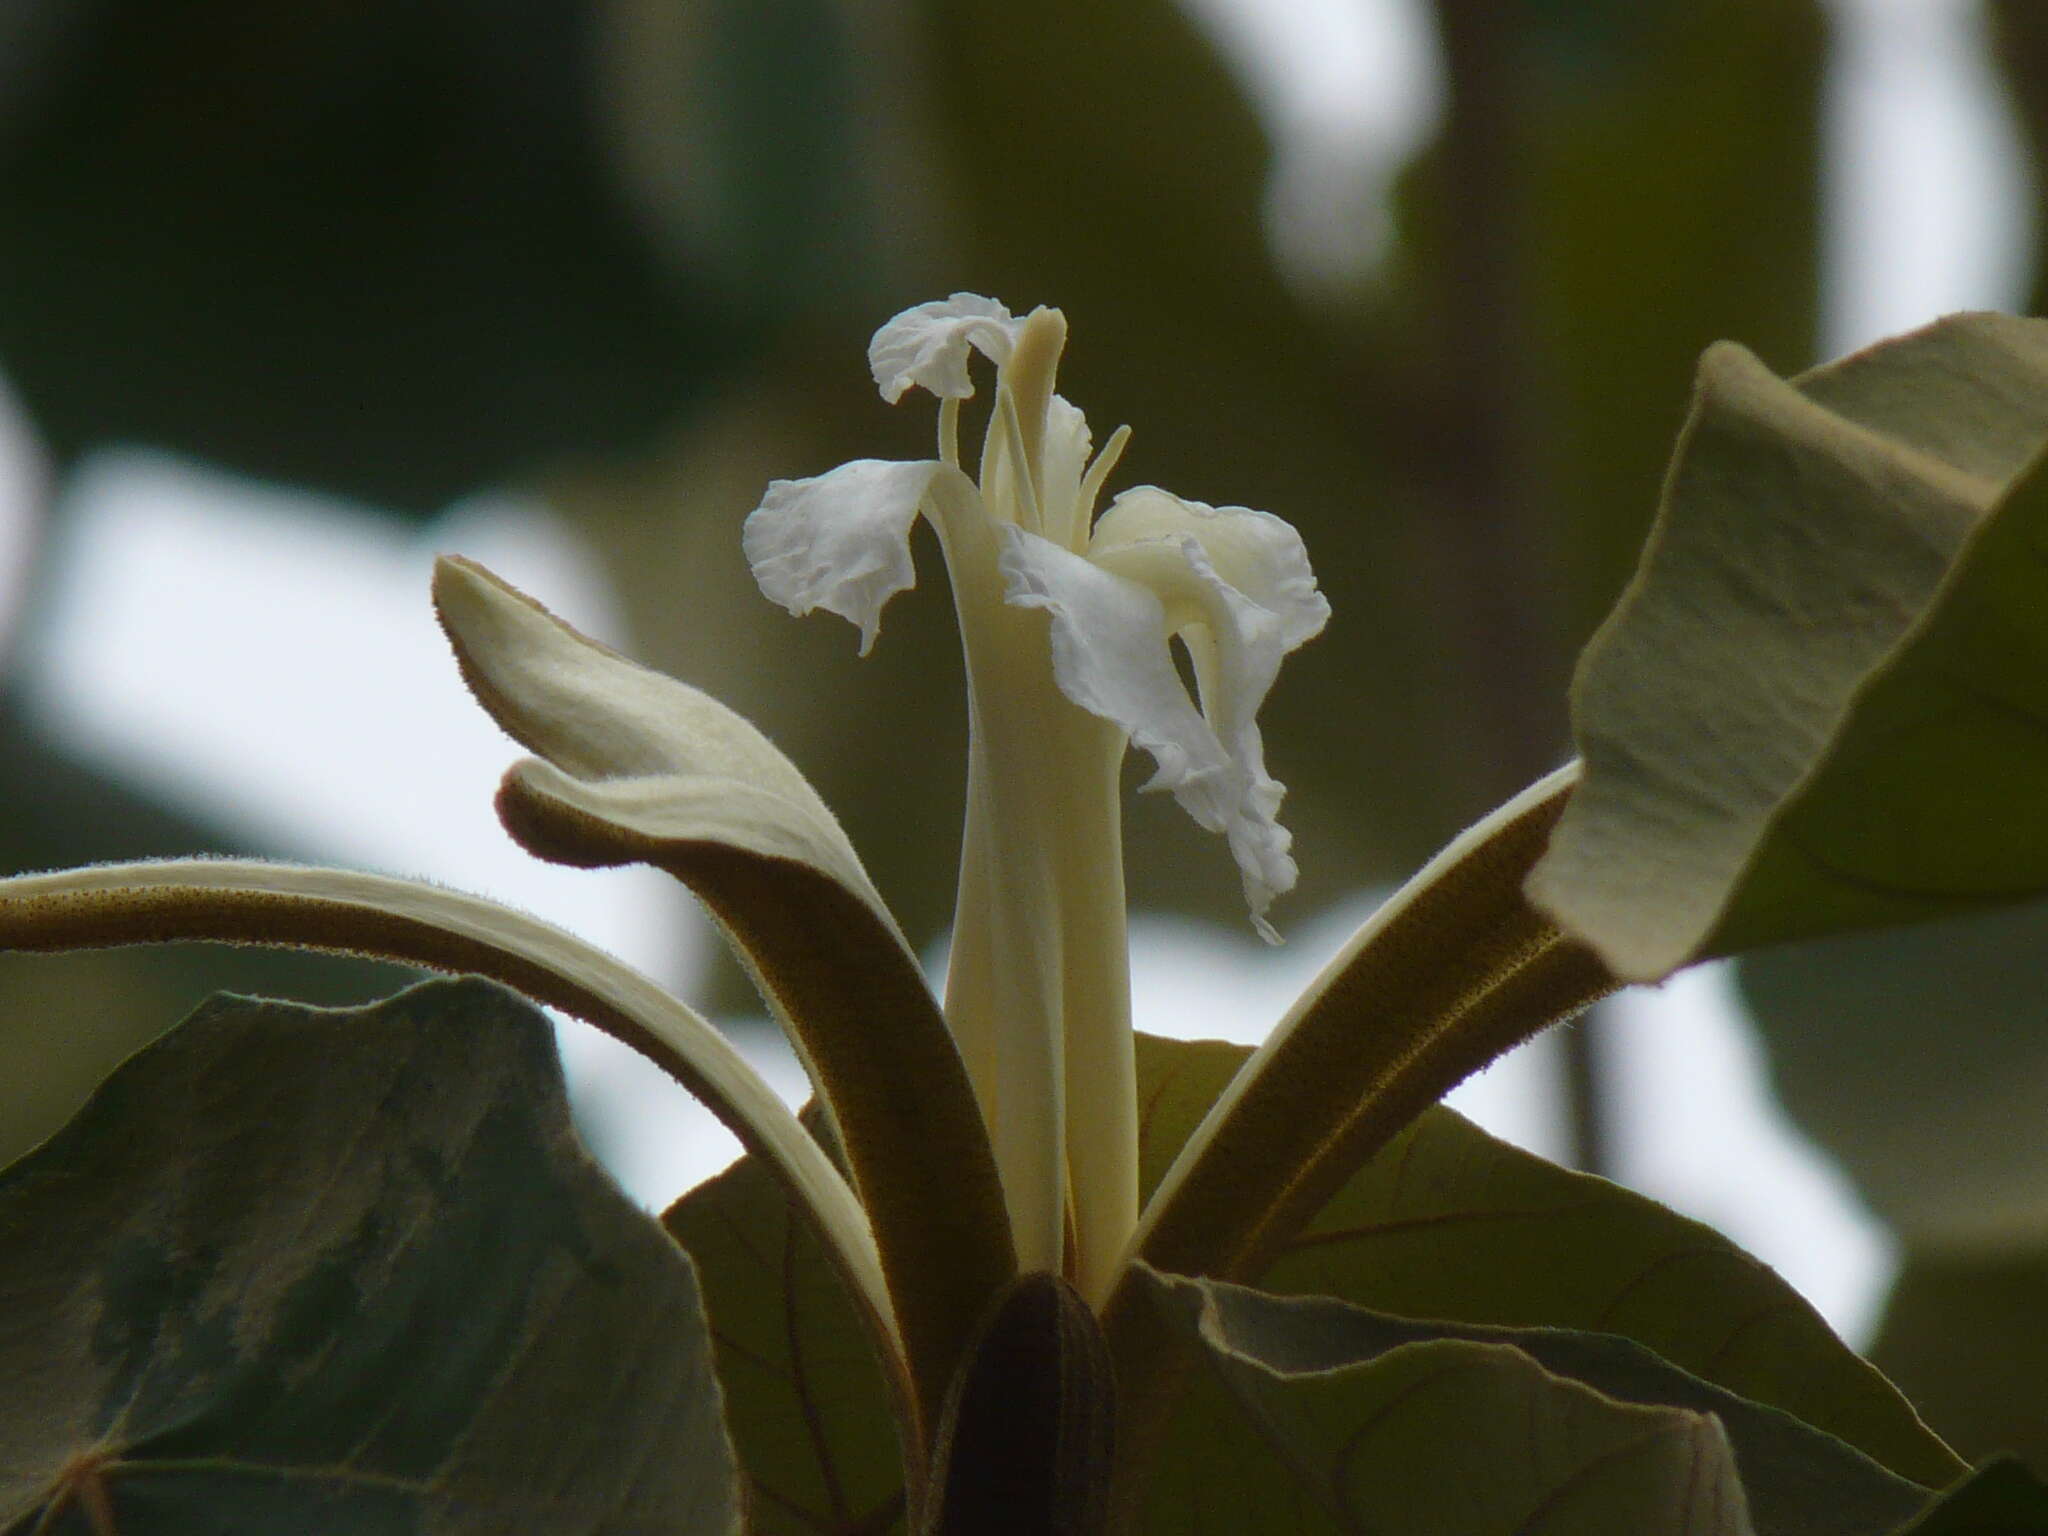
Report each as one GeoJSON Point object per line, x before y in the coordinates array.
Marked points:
{"type": "Point", "coordinates": [840, 540]}
{"type": "Point", "coordinates": [1237, 644]}
{"type": "Point", "coordinates": [928, 344]}
{"type": "Point", "coordinates": [1256, 553]}
{"type": "Point", "coordinates": [1110, 656]}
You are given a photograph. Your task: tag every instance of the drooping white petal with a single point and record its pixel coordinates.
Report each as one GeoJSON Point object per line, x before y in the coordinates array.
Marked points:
{"type": "Point", "coordinates": [1258, 554]}
{"type": "Point", "coordinates": [1236, 586]}
{"type": "Point", "coordinates": [1111, 632]}
{"type": "Point", "coordinates": [841, 540]}
{"type": "Point", "coordinates": [928, 345]}
{"type": "Point", "coordinates": [1242, 596]}
{"type": "Point", "coordinates": [1110, 656]}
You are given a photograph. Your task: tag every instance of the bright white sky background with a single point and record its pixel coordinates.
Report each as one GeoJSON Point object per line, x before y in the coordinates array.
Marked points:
{"type": "Point", "coordinates": [232, 654]}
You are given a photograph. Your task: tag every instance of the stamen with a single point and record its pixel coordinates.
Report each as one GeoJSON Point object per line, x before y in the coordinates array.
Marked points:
{"type": "Point", "coordinates": [1092, 482]}
{"type": "Point", "coordinates": [1002, 451]}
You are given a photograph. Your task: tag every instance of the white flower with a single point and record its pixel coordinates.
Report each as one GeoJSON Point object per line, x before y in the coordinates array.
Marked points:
{"type": "Point", "coordinates": [1038, 992]}
{"type": "Point", "coordinates": [1232, 584]}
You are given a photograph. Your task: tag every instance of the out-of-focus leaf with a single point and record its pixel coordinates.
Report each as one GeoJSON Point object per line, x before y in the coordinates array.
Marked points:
{"type": "Point", "coordinates": [1673, 164]}
{"type": "Point", "coordinates": [66, 1022]}
{"type": "Point", "coordinates": [1611, 188]}
{"type": "Point", "coordinates": [377, 248]}
{"type": "Point", "coordinates": [347, 1271]}
{"type": "Point", "coordinates": [1914, 1056]}
{"type": "Point", "coordinates": [1799, 1481]}
{"type": "Point", "coordinates": [739, 130]}
{"type": "Point", "coordinates": [1962, 1333]}
{"type": "Point", "coordinates": [805, 1403]}
{"type": "Point", "coordinates": [1919, 1059]}
{"type": "Point", "coordinates": [1448, 1223]}
{"type": "Point", "coordinates": [2019, 30]}
{"type": "Point", "coordinates": [1818, 708]}
{"type": "Point", "coordinates": [1446, 1436]}
{"type": "Point", "coordinates": [2000, 1499]}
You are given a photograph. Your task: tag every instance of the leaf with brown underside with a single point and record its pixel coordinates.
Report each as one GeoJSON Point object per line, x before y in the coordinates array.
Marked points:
{"type": "Point", "coordinates": [1452, 970]}
{"type": "Point", "coordinates": [636, 767]}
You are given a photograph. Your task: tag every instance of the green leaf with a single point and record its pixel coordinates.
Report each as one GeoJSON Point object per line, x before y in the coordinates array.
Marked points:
{"type": "Point", "coordinates": [1798, 1480]}
{"type": "Point", "coordinates": [805, 1402]}
{"type": "Point", "coordinates": [1448, 1436]}
{"type": "Point", "coordinates": [248, 902]}
{"type": "Point", "coordinates": [1910, 1056]}
{"type": "Point", "coordinates": [1819, 706]}
{"type": "Point", "coordinates": [2001, 1498]}
{"type": "Point", "coordinates": [1447, 1223]}
{"type": "Point", "coordinates": [347, 1271]}
{"type": "Point", "coordinates": [390, 256]}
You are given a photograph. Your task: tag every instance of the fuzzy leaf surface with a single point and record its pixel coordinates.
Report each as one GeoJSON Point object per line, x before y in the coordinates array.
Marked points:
{"type": "Point", "coordinates": [1797, 1481]}
{"type": "Point", "coordinates": [347, 1271]}
{"type": "Point", "coordinates": [1448, 1223]}
{"type": "Point", "coordinates": [635, 767]}
{"type": "Point", "coordinates": [806, 1403]}
{"type": "Point", "coordinates": [1345, 1441]}
{"type": "Point", "coordinates": [1820, 706]}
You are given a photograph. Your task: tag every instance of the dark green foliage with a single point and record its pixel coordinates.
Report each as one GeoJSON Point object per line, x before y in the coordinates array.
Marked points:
{"type": "Point", "coordinates": [346, 1271]}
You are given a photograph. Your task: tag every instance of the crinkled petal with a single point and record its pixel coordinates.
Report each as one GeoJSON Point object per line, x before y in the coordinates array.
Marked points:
{"type": "Point", "coordinates": [1256, 553]}
{"type": "Point", "coordinates": [1111, 633]}
{"type": "Point", "coordinates": [1236, 585]}
{"type": "Point", "coordinates": [841, 540]}
{"type": "Point", "coordinates": [928, 345]}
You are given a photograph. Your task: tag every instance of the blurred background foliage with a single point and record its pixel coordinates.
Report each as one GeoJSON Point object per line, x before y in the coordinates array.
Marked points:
{"type": "Point", "coordinates": [627, 253]}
